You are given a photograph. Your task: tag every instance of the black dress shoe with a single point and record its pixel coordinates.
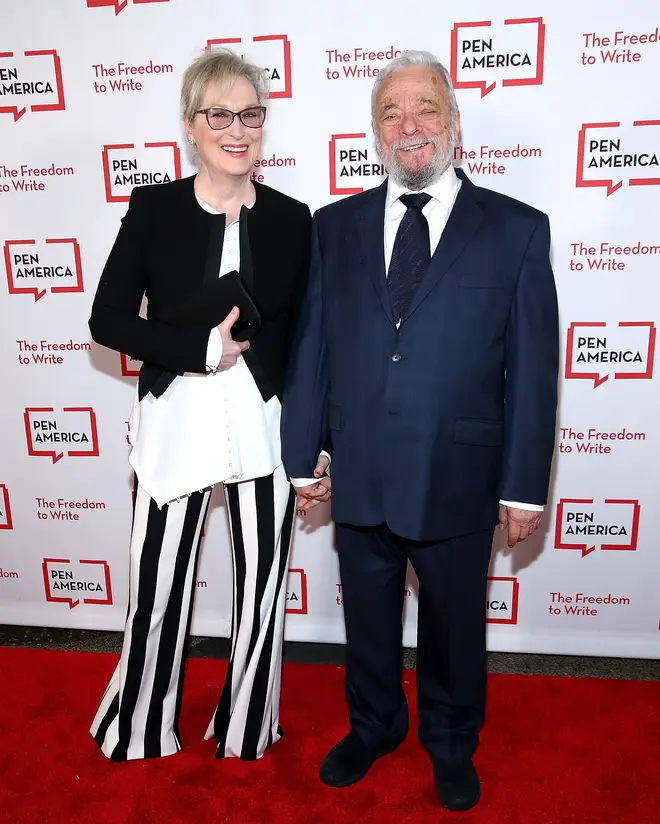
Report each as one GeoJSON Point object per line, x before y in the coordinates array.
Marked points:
{"type": "Point", "coordinates": [456, 783]}
{"type": "Point", "coordinates": [349, 761]}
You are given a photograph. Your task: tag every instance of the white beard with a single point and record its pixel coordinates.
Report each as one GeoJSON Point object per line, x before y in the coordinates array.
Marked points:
{"type": "Point", "coordinates": [415, 179]}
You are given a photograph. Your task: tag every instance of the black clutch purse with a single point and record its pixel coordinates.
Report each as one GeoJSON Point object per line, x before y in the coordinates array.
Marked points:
{"type": "Point", "coordinates": [211, 304]}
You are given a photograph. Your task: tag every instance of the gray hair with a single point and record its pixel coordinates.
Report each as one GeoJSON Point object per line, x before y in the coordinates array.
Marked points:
{"type": "Point", "coordinates": [218, 67]}
{"type": "Point", "coordinates": [425, 60]}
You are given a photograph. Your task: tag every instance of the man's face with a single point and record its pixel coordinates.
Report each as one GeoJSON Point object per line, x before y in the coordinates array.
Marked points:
{"type": "Point", "coordinates": [413, 126]}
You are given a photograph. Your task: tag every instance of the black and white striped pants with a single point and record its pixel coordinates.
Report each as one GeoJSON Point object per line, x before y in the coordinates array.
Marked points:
{"type": "Point", "coordinates": [139, 712]}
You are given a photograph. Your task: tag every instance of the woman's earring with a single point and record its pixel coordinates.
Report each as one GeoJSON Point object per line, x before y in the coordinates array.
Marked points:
{"type": "Point", "coordinates": [191, 141]}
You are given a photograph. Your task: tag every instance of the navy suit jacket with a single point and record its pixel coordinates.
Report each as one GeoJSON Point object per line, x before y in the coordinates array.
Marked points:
{"type": "Point", "coordinates": [433, 423]}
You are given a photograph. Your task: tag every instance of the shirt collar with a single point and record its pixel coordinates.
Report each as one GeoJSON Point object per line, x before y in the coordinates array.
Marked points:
{"type": "Point", "coordinates": [211, 210]}
{"type": "Point", "coordinates": [444, 189]}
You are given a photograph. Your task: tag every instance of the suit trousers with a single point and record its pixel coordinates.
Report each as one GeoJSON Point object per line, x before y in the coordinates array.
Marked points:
{"type": "Point", "coordinates": [451, 636]}
{"type": "Point", "coordinates": [139, 713]}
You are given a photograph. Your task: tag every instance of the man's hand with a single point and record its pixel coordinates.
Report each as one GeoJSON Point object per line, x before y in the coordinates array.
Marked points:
{"type": "Point", "coordinates": [519, 523]}
{"type": "Point", "coordinates": [322, 466]}
{"type": "Point", "coordinates": [231, 349]}
{"type": "Point", "coordinates": [318, 493]}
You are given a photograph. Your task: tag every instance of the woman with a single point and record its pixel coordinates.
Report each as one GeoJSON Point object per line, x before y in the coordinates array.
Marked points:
{"type": "Point", "coordinates": [207, 411]}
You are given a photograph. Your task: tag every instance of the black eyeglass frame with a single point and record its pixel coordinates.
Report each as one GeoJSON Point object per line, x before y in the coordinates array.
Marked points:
{"type": "Point", "coordinates": [234, 115]}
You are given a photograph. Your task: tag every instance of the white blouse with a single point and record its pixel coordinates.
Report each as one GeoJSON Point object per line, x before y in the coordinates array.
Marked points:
{"type": "Point", "coordinates": [205, 429]}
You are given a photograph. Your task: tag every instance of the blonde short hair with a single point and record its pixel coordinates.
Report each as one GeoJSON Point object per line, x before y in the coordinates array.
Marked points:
{"type": "Point", "coordinates": [218, 67]}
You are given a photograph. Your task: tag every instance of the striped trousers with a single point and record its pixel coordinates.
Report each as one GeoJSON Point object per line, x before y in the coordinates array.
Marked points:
{"type": "Point", "coordinates": [139, 713]}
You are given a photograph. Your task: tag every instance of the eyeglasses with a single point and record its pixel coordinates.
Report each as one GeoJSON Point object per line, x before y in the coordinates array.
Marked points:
{"type": "Point", "coordinates": [218, 118]}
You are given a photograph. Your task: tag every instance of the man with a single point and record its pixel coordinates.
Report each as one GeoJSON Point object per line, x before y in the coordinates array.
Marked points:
{"type": "Point", "coordinates": [428, 353]}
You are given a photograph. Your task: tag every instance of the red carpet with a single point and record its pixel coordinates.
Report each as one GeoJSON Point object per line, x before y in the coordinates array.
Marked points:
{"type": "Point", "coordinates": [554, 751]}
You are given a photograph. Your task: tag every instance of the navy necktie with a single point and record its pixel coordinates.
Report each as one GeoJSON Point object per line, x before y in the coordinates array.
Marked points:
{"type": "Point", "coordinates": [411, 254]}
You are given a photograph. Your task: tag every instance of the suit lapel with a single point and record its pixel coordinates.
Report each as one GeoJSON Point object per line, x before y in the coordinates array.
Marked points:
{"type": "Point", "coordinates": [464, 220]}
{"type": "Point", "coordinates": [207, 231]}
{"type": "Point", "coordinates": [370, 228]}
{"type": "Point", "coordinates": [255, 233]}
{"type": "Point", "coordinates": [245, 248]}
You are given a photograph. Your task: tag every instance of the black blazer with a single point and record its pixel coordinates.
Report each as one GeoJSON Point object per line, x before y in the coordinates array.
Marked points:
{"type": "Point", "coordinates": [163, 248]}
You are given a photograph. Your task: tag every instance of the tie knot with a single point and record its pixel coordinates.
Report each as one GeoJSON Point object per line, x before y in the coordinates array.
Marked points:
{"type": "Point", "coordinates": [417, 201]}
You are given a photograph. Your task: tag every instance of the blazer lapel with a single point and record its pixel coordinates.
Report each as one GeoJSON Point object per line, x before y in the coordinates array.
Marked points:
{"type": "Point", "coordinates": [464, 220]}
{"type": "Point", "coordinates": [255, 231]}
{"type": "Point", "coordinates": [370, 228]}
{"type": "Point", "coordinates": [246, 265]}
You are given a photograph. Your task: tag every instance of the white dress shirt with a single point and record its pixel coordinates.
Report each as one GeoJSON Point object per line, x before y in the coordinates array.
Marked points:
{"type": "Point", "coordinates": [443, 196]}
{"type": "Point", "coordinates": [205, 429]}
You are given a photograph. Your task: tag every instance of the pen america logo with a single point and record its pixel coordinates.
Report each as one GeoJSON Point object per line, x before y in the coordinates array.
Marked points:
{"type": "Point", "coordinates": [485, 53]}
{"type": "Point", "coordinates": [5, 508]}
{"type": "Point", "coordinates": [598, 351]}
{"type": "Point", "coordinates": [119, 5]}
{"type": "Point", "coordinates": [53, 434]}
{"type": "Point", "coordinates": [296, 592]}
{"type": "Point", "coordinates": [610, 154]}
{"type": "Point", "coordinates": [31, 81]}
{"type": "Point", "coordinates": [585, 524]}
{"type": "Point", "coordinates": [353, 164]}
{"type": "Point", "coordinates": [37, 268]}
{"type": "Point", "coordinates": [126, 166]}
{"type": "Point", "coordinates": [86, 582]}
{"type": "Point", "coordinates": [502, 600]}
{"type": "Point", "coordinates": [270, 51]}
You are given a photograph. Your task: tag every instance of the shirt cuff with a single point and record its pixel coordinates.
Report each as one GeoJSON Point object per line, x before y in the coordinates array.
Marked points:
{"type": "Point", "coordinates": [298, 482]}
{"type": "Point", "coordinates": [518, 505]}
{"type": "Point", "coordinates": [214, 350]}
{"type": "Point", "coordinates": [309, 481]}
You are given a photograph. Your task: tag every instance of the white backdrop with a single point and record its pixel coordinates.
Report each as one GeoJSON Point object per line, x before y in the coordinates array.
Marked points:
{"type": "Point", "coordinates": [560, 107]}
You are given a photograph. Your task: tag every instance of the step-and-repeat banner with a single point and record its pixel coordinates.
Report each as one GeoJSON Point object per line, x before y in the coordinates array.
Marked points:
{"type": "Point", "coordinates": [560, 108]}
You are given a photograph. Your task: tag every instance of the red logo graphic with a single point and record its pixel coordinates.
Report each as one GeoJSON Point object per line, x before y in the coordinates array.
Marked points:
{"type": "Point", "coordinates": [125, 167]}
{"type": "Point", "coordinates": [61, 580]}
{"type": "Point", "coordinates": [273, 53]}
{"type": "Point", "coordinates": [607, 158]}
{"type": "Point", "coordinates": [75, 425]}
{"type": "Point", "coordinates": [56, 260]}
{"type": "Point", "coordinates": [296, 592]}
{"type": "Point", "coordinates": [128, 367]}
{"type": "Point", "coordinates": [484, 54]}
{"type": "Point", "coordinates": [502, 601]}
{"type": "Point", "coordinates": [119, 5]}
{"type": "Point", "coordinates": [351, 162]}
{"type": "Point", "coordinates": [629, 345]}
{"type": "Point", "coordinates": [5, 509]}
{"type": "Point", "coordinates": [39, 81]}
{"type": "Point", "coordinates": [585, 525]}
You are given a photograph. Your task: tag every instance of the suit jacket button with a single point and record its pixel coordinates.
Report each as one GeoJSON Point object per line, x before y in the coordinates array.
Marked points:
{"type": "Point", "coordinates": [396, 357]}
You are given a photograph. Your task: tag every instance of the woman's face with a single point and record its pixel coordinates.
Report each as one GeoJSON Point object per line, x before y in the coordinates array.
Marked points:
{"type": "Point", "coordinates": [233, 150]}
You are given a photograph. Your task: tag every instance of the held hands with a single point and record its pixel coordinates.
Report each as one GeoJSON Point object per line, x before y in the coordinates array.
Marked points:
{"type": "Point", "coordinates": [318, 493]}
{"type": "Point", "coordinates": [519, 523]}
{"type": "Point", "coordinates": [231, 349]}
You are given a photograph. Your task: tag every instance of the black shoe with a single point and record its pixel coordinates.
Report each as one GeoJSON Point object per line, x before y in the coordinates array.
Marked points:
{"type": "Point", "coordinates": [456, 783]}
{"type": "Point", "coordinates": [349, 761]}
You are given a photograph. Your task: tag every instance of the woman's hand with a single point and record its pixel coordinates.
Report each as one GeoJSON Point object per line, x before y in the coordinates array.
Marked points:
{"type": "Point", "coordinates": [231, 349]}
